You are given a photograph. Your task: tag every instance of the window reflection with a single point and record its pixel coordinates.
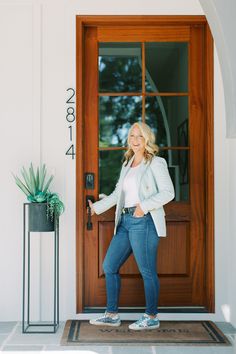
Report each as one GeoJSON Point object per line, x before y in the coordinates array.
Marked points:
{"type": "Point", "coordinates": [116, 115]}
{"type": "Point", "coordinates": [120, 67]}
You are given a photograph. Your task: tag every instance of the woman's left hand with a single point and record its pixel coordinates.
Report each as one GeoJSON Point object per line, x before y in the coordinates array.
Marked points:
{"type": "Point", "coordinates": [138, 212]}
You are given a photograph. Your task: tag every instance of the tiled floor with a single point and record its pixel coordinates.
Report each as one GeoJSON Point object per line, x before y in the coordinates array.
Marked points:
{"type": "Point", "coordinates": [12, 340]}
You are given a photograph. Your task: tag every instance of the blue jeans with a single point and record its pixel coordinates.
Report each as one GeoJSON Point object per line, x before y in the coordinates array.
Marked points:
{"type": "Point", "coordinates": [135, 235]}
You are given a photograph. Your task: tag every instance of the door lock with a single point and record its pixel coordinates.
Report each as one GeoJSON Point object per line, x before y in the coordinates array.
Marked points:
{"type": "Point", "coordinates": [89, 180]}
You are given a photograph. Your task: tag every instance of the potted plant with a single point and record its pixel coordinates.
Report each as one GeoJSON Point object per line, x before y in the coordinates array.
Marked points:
{"type": "Point", "coordinates": [45, 207]}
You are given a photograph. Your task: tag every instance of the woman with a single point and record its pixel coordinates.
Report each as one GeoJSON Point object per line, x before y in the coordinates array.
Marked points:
{"type": "Point", "coordinates": [144, 186]}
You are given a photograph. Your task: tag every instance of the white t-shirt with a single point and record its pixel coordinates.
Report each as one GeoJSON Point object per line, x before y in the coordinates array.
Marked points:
{"type": "Point", "coordinates": [130, 187]}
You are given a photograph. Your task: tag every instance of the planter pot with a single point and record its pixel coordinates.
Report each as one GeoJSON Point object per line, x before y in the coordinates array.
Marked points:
{"type": "Point", "coordinates": [38, 220]}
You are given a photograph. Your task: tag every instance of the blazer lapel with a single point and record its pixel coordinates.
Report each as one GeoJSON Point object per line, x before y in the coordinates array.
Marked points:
{"type": "Point", "coordinates": [141, 171]}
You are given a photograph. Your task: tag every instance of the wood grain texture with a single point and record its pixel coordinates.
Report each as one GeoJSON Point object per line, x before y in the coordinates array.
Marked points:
{"type": "Point", "coordinates": [209, 158]}
{"type": "Point", "coordinates": [173, 252]}
{"type": "Point", "coordinates": [140, 20]}
{"type": "Point", "coordinates": [197, 122]}
{"type": "Point", "coordinates": [146, 34]}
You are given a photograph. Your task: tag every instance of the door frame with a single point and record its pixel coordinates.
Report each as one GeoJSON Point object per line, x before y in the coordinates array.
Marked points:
{"type": "Point", "coordinates": [82, 22]}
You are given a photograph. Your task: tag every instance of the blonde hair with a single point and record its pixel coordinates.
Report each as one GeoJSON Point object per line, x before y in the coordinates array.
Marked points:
{"type": "Point", "coordinates": [151, 149]}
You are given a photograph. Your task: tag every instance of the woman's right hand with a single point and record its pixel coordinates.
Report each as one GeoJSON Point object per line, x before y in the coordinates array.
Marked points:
{"type": "Point", "coordinates": [91, 207]}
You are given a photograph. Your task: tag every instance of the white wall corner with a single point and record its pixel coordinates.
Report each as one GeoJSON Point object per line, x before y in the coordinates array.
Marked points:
{"type": "Point", "coordinates": [220, 17]}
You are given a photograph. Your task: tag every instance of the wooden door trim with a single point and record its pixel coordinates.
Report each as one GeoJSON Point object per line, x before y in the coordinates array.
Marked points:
{"type": "Point", "coordinates": [140, 20]}
{"type": "Point", "coordinates": [209, 169]}
{"type": "Point", "coordinates": [136, 21]}
{"type": "Point", "coordinates": [80, 203]}
{"type": "Point", "coordinates": [143, 33]}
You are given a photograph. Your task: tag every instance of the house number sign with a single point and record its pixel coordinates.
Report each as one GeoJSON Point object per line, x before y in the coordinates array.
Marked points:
{"type": "Point", "coordinates": [70, 118]}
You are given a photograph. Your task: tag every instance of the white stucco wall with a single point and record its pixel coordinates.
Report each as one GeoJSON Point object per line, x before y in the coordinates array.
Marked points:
{"type": "Point", "coordinates": [232, 228]}
{"type": "Point", "coordinates": [220, 16]}
{"type": "Point", "coordinates": [37, 65]}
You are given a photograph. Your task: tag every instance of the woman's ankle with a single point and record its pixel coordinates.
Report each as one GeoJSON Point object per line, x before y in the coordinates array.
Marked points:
{"type": "Point", "coordinates": [151, 315]}
{"type": "Point", "coordinates": [111, 314]}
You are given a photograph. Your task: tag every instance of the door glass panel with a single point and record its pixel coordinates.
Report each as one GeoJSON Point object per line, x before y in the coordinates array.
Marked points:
{"type": "Point", "coordinates": [120, 71]}
{"type": "Point", "coordinates": [116, 115]}
{"type": "Point", "coordinates": [178, 164]}
{"type": "Point", "coordinates": [166, 67]}
{"type": "Point", "coordinates": [110, 163]}
{"type": "Point", "coordinates": [120, 67]}
{"type": "Point", "coordinates": [168, 117]}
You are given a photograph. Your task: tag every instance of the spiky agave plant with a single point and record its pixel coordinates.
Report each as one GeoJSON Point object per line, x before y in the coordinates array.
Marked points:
{"type": "Point", "coordinates": [37, 190]}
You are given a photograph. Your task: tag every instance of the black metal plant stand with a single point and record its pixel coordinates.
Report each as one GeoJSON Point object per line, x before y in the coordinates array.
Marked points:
{"type": "Point", "coordinates": [32, 223]}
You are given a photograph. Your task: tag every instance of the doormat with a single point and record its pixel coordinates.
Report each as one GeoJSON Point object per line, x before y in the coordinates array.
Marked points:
{"type": "Point", "coordinates": [77, 332]}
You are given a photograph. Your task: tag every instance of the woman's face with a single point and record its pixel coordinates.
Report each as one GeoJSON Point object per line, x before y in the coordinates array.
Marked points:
{"type": "Point", "coordinates": [137, 141]}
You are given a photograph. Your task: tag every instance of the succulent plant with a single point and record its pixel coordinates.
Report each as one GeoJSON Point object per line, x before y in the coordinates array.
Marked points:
{"type": "Point", "coordinates": [36, 189]}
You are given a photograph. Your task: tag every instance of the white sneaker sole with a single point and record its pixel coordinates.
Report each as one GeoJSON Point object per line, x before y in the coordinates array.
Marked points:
{"type": "Point", "coordinates": [143, 328]}
{"type": "Point", "coordinates": [105, 324]}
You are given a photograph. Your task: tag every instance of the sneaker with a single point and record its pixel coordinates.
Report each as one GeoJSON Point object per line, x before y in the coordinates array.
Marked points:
{"type": "Point", "coordinates": [145, 322]}
{"type": "Point", "coordinates": [107, 320]}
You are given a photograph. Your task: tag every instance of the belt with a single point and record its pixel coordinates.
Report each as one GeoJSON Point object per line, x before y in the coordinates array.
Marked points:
{"type": "Point", "coordinates": [129, 210]}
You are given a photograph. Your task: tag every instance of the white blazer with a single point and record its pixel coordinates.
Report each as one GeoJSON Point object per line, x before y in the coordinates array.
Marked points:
{"type": "Point", "coordinates": [155, 189]}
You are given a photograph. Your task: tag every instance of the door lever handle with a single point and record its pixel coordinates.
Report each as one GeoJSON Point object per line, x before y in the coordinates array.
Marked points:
{"type": "Point", "coordinates": [89, 222]}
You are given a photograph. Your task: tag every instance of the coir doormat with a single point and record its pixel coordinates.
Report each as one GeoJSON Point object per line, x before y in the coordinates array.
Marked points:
{"type": "Point", "coordinates": [78, 332]}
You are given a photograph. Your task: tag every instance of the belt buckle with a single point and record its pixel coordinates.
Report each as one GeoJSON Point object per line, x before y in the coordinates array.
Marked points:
{"type": "Point", "coordinates": [131, 210]}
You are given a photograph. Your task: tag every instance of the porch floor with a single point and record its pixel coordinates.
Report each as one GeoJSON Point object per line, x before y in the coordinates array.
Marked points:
{"type": "Point", "coordinates": [11, 339]}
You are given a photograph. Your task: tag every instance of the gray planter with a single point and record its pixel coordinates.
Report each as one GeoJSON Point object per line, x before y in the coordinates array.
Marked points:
{"type": "Point", "coordinates": [38, 220]}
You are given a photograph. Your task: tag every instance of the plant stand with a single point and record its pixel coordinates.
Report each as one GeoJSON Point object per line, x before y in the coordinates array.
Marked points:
{"type": "Point", "coordinates": [28, 227]}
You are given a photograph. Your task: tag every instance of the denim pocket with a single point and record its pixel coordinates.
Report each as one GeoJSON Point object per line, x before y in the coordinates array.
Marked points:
{"type": "Point", "coordinates": [138, 217]}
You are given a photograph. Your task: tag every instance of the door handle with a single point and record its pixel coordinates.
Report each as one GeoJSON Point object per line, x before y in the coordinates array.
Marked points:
{"type": "Point", "coordinates": [89, 222]}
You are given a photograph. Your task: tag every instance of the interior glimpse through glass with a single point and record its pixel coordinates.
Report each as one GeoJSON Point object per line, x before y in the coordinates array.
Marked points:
{"type": "Point", "coordinates": [166, 116]}
{"type": "Point", "coordinates": [166, 67]}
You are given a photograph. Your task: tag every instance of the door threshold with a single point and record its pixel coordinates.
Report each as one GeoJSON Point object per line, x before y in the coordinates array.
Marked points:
{"type": "Point", "coordinates": [161, 309]}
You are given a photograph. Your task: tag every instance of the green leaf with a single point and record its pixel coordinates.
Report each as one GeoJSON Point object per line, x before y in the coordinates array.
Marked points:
{"type": "Point", "coordinates": [47, 184]}
{"type": "Point", "coordinates": [31, 198]}
{"type": "Point", "coordinates": [42, 177]}
{"type": "Point", "coordinates": [32, 179]}
{"type": "Point", "coordinates": [33, 174]}
{"type": "Point", "coordinates": [27, 179]}
{"type": "Point", "coordinates": [37, 179]}
{"type": "Point", "coordinates": [40, 197]}
{"type": "Point", "coordinates": [21, 185]}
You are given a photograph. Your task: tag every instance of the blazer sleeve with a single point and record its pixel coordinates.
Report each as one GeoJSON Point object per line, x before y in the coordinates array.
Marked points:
{"type": "Point", "coordinates": [164, 184]}
{"type": "Point", "coordinates": [106, 203]}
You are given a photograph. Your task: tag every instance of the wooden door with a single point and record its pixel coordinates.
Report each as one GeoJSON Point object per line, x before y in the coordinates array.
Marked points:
{"type": "Point", "coordinates": [157, 74]}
